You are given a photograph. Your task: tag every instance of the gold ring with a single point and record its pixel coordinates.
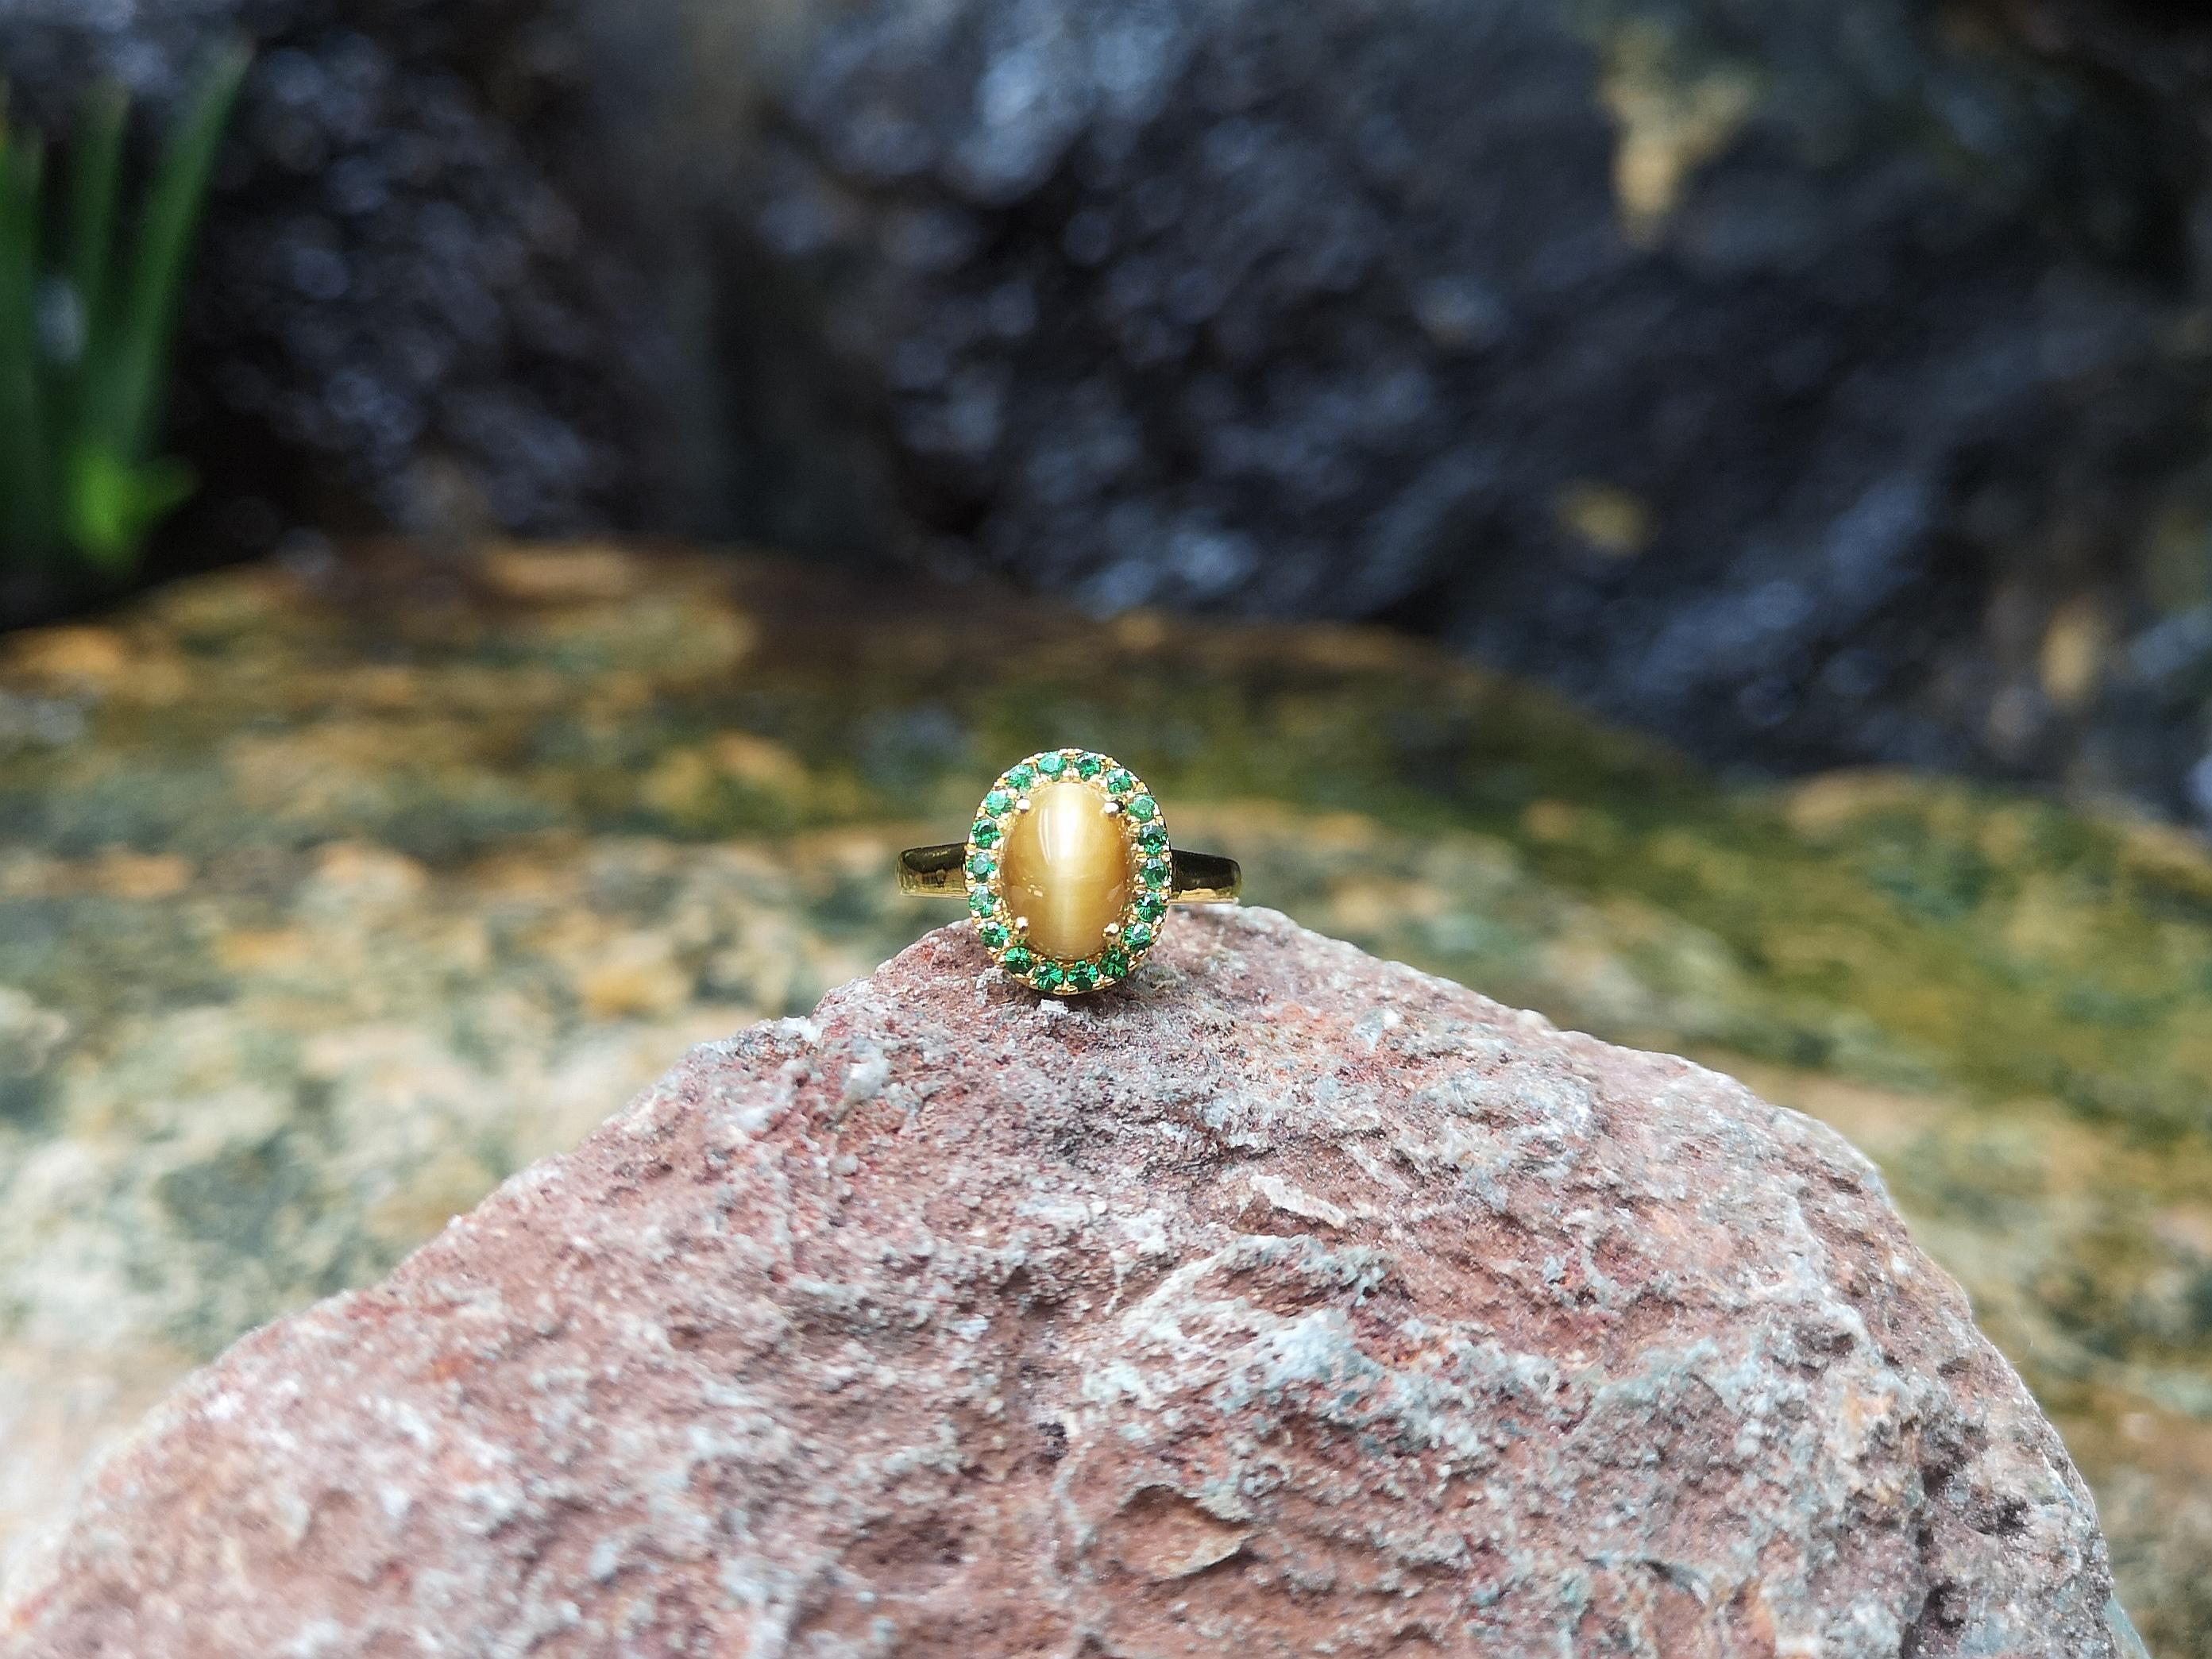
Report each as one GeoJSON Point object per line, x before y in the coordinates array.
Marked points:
{"type": "Point", "coordinates": [1068, 871]}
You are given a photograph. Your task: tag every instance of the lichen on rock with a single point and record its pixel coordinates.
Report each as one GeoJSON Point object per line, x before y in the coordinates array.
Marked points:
{"type": "Point", "coordinates": [1282, 1302]}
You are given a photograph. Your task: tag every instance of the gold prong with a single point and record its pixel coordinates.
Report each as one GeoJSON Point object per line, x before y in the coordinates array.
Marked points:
{"type": "Point", "coordinates": [1113, 930]}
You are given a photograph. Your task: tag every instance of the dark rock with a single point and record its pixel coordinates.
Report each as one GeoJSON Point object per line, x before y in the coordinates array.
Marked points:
{"type": "Point", "coordinates": [1728, 368]}
{"type": "Point", "coordinates": [399, 318]}
{"type": "Point", "coordinates": [1813, 383]}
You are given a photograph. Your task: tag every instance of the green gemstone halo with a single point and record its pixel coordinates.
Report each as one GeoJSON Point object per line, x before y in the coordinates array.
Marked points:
{"type": "Point", "coordinates": [1144, 845]}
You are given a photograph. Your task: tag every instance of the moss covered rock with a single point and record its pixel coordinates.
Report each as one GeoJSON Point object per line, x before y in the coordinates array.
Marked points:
{"type": "Point", "coordinates": [323, 906]}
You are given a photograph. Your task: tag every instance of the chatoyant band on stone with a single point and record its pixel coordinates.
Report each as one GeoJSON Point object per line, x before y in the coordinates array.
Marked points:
{"type": "Point", "coordinates": [1068, 871]}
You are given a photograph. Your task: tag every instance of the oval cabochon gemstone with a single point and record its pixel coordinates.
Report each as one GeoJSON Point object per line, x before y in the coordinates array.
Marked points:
{"type": "Point", "coordinates": [1065, 867]}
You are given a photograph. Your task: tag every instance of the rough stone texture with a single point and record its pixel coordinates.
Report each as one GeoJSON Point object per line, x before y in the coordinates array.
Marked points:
{"type": "Point", "coordinates": [1287, 1302]}
{"type": "Point", "coordinates": [328, 901]}
{"type": "Point", "coordinates": [1773, 376]}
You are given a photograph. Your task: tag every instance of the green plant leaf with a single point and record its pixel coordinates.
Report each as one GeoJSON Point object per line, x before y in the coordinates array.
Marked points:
{"type": "Point", "coordinates": [112, 503]}
{"type": "Point", "coordinates": [77, 417]}
{"type": "Point", "coordinates": [26, 525]}
{"type": "Point", "coordinates": [130, 418]}
{"type": "Point", "coordinates": [95, 179]}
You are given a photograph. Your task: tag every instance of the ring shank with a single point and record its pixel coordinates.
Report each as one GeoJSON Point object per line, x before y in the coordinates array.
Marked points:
{"type": "Point", "coordinates": [1200, 878]}
{"type": "Point", "coordinates": [1205, 878]}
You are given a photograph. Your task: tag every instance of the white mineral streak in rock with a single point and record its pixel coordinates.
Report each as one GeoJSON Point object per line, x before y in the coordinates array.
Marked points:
{"type": "Point", "coordinates": [1284, 1303]}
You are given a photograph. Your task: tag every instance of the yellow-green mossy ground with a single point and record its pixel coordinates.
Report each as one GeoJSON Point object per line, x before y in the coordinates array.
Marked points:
{"type": "Point", "coordinates": [326, 904]}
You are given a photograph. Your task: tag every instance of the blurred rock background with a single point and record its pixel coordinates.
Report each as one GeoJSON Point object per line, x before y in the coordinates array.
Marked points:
{"type": "Point", "coordinates": [1810, 382]}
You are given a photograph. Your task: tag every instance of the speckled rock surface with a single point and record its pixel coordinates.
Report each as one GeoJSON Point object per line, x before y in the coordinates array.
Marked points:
{"type": "Point", "coordinates": [327, 903]}
{"type": "Point", "coordinates": [1288, 1301]}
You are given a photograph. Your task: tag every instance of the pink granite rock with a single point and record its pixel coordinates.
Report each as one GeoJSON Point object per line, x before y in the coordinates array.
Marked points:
{"type": "Point", "coordinates": [1285, 1302]}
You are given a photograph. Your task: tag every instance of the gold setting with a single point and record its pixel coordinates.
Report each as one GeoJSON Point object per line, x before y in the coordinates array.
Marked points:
{"type": "Point", "coordinates": [1100, 886]}
{"type": "Point", "coordinates": [1146, 877]}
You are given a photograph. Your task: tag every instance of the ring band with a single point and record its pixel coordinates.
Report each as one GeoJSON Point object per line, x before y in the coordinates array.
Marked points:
{"type": "Point", "coordinates": [1195, 878]}
{"type": "Point", "coordinates": [1068, 871]}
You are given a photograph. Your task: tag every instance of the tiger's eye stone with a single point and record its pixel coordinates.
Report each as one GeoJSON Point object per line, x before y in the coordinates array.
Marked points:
{"type": "Point", "coordinates": [1065, 867]}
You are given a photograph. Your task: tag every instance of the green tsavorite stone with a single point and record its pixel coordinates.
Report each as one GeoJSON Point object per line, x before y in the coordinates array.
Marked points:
{"type": "Point", "coordinates": [1143, 809]}
{"type": "Point", "coordinates": [984, 833]}
{"type": "Point", "coordinates": [1017, 960]}
{"type": "Point", "coordinates": [994, 934]}
{"type": "Point", "coordinates": [982, 901]}
{"type": "Point", "coordinates": [1121, 781]}
{"type": "Point", "coordinates": [1047, 978]}
{"type": "Point", "coordinates": [1021, 777]}
{"type": "Point", "coordinates": [1154, 873]}
{"type": "Point", "coordinates": [1114, 963]}
{"type": "Point", "coordinates": [998, 801]}
{"type": "Point", "coordinates": [1138, 934]}
{"type": "Point", "coordinates": [1150, 907]}
{"type": "Point", "coordinates": [1154, 837]}
{"type": "Point", "coordinates": [1082, 977]}
{"type": "Point", "coordinates": [1051, 765]}
{"type": "Point", "coordinates": [1090, 766]}
{"type": "Point", "coordinates": [980, 865]}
